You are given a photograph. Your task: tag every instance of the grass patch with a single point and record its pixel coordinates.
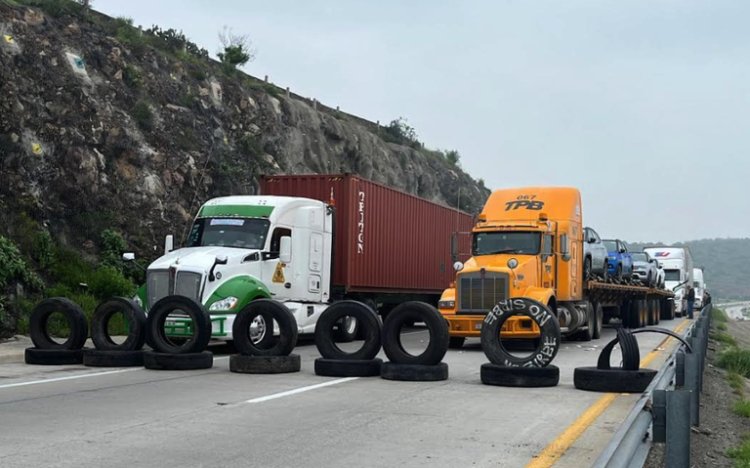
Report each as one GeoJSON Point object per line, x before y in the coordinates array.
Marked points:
{"type": "Point", "coordinates": [718, 315]}
{"type": "Point", "coordinates": [737, 382]}
{"type": "Point", "coordinates": [143, 115]}
{"type": "Point", "coordinates": [722, 327]}
{"type": "Point", "coordinates": [742, 408]}
{"type": "Point", "coordinates": [741, 454]}
{"type": "Point", "coordinates": [735, 360]}
{"type": "Point", "coordinates": [723, 338]}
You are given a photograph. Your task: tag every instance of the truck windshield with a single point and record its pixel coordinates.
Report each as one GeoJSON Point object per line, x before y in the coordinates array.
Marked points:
{"type": "Point", "coordinates": [244, 233]}
{"type": "Point", "coordinates": [671, 275]}
{"type": "Point", "coordinates": [490, 243]}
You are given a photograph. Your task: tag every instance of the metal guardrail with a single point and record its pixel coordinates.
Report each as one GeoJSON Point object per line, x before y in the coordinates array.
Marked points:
{"type": "Point", "coordinates": [667, 409]}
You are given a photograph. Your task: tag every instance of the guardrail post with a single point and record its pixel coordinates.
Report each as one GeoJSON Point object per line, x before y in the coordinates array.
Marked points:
{"type": "Point", "coordinates": [692, 367]}
{"type": "Point", "coordinates": [679, 371]}
{"type": "Point", "coordinates": [659, 407]}
{"type": "Point", "coordinates": [677, 454]}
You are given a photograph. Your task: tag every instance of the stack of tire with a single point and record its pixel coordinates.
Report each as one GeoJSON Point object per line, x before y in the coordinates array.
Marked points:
{"type": "Point", "coordinates": [107, 352]}
{"type": "Point", "coordinates": [268, 354]}
{"type": "Point", "coordinates": [336, 362]}
{"type": "Point", "coordinates": [168, 355]}
{"type": "Point", "coordinates": [48, 351]}
{"type": "Point", "coordinates": [426, 366]}
{"type": "Point", "coordinates": [508, 370]}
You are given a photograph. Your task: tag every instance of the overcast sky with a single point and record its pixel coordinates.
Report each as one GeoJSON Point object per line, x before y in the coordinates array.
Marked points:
{"type": "Point", "coordinates": [643, 105]}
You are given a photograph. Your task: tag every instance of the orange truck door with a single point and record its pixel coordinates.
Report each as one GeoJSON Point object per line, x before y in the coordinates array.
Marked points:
{"type": "Point", "coordinates": [548, 262]}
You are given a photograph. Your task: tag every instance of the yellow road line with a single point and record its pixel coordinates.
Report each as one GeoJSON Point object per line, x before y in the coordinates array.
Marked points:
{"type": "Point", "coordinates": [557, 448]}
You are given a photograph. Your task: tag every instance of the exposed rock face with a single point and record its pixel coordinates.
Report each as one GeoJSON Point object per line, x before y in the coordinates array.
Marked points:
{"type": "Point", "coordinates": [97, 134]}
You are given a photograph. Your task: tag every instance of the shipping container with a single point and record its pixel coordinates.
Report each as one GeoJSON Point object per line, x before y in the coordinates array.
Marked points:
{"type": "Point", "coordinates": [385, 240]}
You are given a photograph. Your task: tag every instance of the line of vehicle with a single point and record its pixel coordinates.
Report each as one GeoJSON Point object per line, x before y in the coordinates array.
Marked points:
{"type": "Point", "coordinates": [557, 448]}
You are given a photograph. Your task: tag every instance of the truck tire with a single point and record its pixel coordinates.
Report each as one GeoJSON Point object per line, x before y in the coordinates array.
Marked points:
{"type": "Point", "coordinates": [134, 317]}
{"type": "Point", "coordinates": [414, 372]}
{"type": "Point", "coordinates": [271, 311]}
{"type": "Point", "coordinates": [456, 342]}
{"type": "Point", "coordinates": [437, 327]}
{"type": "Point", "coordinates": [157, 316]}
{"type": "Point", "coordinates": [612, 380]}
{"type": "Point", "coordinates": [348, 367]}
{"type": "Point", "coordinates": [588, 333]}
{"type": "Point", "coordinates": [547, 347]}
{"type": "Point", "coordinates": [631, 356]}
{"type": "Point", "coordinates": [493, 374]}
{"type": "Point", "coordinates": [39, 324]}
{"type": "Point", "coordinates": [586, 269]}
{"type": "Point", "coordinates": [182, 361]}
{"type": "Point", "coordinates": [53, 357]}
{"type": "Point", "coordinates": [346, 330]}
{"type": "Point", "coordinates": [283, 364]}
{"type": "Point", "coordinates": [618, 272]}
{"type": "Point", "coordinates": [371, 329]}
{"type": "Point", "coordinates": [598, 321]}
{"type": "Point", "coordinates": [112, 358]}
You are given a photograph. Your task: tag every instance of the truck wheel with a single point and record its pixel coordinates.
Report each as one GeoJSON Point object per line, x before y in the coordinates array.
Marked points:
{"type": "Point", "coordinates": [346, 331]}
{"type": "Point", "coordinates": [631, 355]}
{"type": "Point", "coordinates": [493, 374]}
{"type": "Point", "coordinates": [598, 321]}
{"type": "Point", "coordinates": [545, 351]}
{"type": "Point", "coordinates": [157, 316]}
{"type": "Point", "coordinates": [53, 357]}
{"type": "Point", "coordinates": [414, 311]}
{"type": "Point", "coordinates": [612, 380]}
{"type": "Point", "coordinates": [605, 272]}
{"type": "Point", "coordinates": [650, 312]}
{"type": "Point", "coordinates": [183, 361]}
{"type": "Point", "coordinates": [370, 323]}
{"type": "Point", "coordinates": [134, 317]}
{"type": "Point", "coordinates": [281, 364]}
{"type": "Point", "coordinates": [456, 342]}
{"type": "Point", "coordinates": [40, 318]}
{"type": "Point", "coordinates": [618, 272]}
{"type": "Point", "coordinates": [112, 358]}
{"type": "Point", "coordinates": [348, 367]}
{"type": "Point", "coordinates": [587, 269]}
{"type": "Point", "coordinates": [414, 372]}
{"type": "Point", "coordinates": [270, 311]}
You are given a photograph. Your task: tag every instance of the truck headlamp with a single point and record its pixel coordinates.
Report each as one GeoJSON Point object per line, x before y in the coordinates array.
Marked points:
{"type": "Point", "coordinates": [224, 304]}
{"type": "Point", "coordinates": [446, 304]}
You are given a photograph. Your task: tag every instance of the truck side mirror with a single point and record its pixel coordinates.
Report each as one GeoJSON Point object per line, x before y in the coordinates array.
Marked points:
{"type": "Point", "coordinates": [168, 244]}
{"type": "Point", "coordinates": [128, 257]}
{"type": "Point", "coordinates": [285, 249]}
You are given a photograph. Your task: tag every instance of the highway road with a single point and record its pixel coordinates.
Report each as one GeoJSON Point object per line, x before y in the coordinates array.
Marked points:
{"type": "Point", "coordinates": [72, 416]}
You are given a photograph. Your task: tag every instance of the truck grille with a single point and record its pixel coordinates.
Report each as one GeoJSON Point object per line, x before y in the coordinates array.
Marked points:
{"type": "Point", "coordinates": [159, 284]}
{"type": "Point", "coordinates": [478, 293]}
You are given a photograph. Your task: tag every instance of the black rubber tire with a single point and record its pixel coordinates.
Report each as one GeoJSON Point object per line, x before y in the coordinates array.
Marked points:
{"type": "Point", "coordinates": [599, 320]}
{"type": "Point", "coordinates": [112, 358]}
{"type": "Point", "coordinates": [547, 321]}
{"type": "Point", "coordinates": [342, 335]}
{"type": "Point", "coordinates": [270, 310]}
{"type": "Point", "coordinates": [244, 364]}
{"type": "Point", "coordinates": [588, 333]}
{"type": "Point", "coordinates": [605, 272]}
{"type": "Point", "coordinates": [134, 316]}
{"type": "Point", "coordinates": [368, 321]}
{"type": "Point", "coordinates": [612, 380]}
{"type": "Point", "coordinates": [631, 355]}
{"type": "Point", "coordinates": [156, 336]}
{"type": "Point", "coordinates": [348, 367]}
{"type": "Point", "coordinates": [587, 269]}
{"type": "Point", "coordinates": [53, 357]}
{"type": "Point", "coordinates": [650, 320]}
{"type": "Point", "coordinates": [492, 374]}
{"type": "Point", "coordinates": [182, 361]}
{"type": "Point", "coordinates": [414, 372]}
{"type": "Point", "coordinates": [456, 342]}
{"type": "Point", "coordinates": [77, 324]}
{"type": "Point", "coordinates": [437, 327]}
{"type": "Point", "coordinates": [618, 272]}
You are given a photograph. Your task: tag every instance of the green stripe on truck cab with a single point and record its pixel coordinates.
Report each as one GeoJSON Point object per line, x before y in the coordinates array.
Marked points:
{"type": "Point", "coordinates": [245, 211]}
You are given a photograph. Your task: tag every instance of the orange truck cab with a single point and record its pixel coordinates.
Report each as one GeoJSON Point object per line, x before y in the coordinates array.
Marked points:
{"type": "Point", "coordinates": [527, 242]}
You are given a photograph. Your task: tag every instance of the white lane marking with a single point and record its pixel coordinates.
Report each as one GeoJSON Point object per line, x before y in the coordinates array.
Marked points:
{"type": "Point", "coordinates": [300, 390]}
{"type": "Point", "coordinates": [81, 376]}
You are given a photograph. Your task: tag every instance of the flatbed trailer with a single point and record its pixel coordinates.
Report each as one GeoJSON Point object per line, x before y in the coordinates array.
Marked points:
{"type": "Point", "coordinates": [634, 305]}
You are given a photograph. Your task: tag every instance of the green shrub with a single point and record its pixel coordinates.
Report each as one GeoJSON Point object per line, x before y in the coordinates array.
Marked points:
{"type": "Point", "coordinates": [718, 315]}
{"type": "Point", "coordinates": [14, 268]}
{"type": "Point", "coordinates": [69, 270]}
{"type": "Point", "coordinates": [143, 116]}
{"type": "Point", "coordinates": [735, 360]}
{"type": "Point", "coordinates": [250, 146]}
{"type": "Point", "coordinates": [108, 281]}
{"type": "Point", "coordinates": [737, 382]}
{"type": "Point", "coordinates": [112, 247]}
{"type": "Point", "coordinates": [57, 8]}
{"type": "Point", "coordinates": [43, 252]}
{"type": "Point", "coordinates": [741, 454]}
{"type": "Point", "coordinates": [723, 338]}
{"type": "Point", "coordinates": [742, 408]}
{"type": "Point", "coordinates": [132, 77]}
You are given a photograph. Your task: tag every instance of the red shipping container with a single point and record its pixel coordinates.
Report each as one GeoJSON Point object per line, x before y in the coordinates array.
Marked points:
{"type": "Point", "coordinates": [385, 240]}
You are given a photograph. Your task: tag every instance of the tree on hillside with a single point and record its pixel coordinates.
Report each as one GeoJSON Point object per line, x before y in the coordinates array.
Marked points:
{"type": "Point", "coordinates": [237, 48]}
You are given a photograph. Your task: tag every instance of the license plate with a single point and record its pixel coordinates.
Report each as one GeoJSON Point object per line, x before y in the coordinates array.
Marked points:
{"type": "Point", "coordinates": [478, 326]}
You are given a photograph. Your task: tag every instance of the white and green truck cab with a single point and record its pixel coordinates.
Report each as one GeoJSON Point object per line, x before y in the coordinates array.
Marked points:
{"type": "Point", "coordinates": [241, 248]}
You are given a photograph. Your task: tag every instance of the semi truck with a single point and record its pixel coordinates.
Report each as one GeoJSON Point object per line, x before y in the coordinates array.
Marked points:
{"type": "Point", "coordinates": [678, 272]}
{"type": "Point", "coordinates": [528, 243]}
{"type": "Point", "coordinates": [307, 241]}
{"type": "Point", "coordinates": [700, 287]}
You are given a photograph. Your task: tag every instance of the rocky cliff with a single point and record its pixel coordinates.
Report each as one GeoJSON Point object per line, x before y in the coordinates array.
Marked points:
{"type": "Point", "coordinates": [103, 126]}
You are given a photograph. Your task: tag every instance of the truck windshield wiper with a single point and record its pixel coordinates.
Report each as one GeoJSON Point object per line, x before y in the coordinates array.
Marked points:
{"type": "Point", "coordinates": [501, 251]}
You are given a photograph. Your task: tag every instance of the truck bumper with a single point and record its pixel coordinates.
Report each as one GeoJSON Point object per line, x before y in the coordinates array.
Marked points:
{"type": "Point", "coordinates": [471, 326]}
{"type": "Point", "coordinates": [221, 327]}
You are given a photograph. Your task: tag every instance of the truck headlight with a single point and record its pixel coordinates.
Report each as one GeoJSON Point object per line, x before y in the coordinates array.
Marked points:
{"type": "Point", "coordinates": [446, 304]}
{"type": "Point", "coordinates": [224, 304]}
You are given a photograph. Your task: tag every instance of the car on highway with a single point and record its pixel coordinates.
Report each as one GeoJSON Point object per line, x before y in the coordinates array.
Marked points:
{"type": "Point", "coordinates": [619, 260]}
{"type": "Point", "coordinates": [594, 255]}
{"type": "Point", "coordinates": [645, 269]}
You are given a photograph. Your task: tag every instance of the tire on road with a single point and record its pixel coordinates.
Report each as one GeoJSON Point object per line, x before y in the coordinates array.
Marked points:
{"type": "Point", "coordinates": [437, 327]}
{"type": "Point", "coordinates": [39, 324]}
{"type": "Point", "coordinates": [157, 316]}
{"type": "Point", "coordinates": [612, 380]}
{"type": "Point", "coordinates": [414, 372]}
{"type": "Point", "coordinates": [270, 310]}
{"type": "Point", "coordinates": [348, 367]}
{"type": "Point", "coordinates": [182, 361]}
{"type": "Point", "coordinates": [631, 356]}
{"type": "Point", "coordinates": [547, 347]}
{"type": "Point", "coordinates": [493, 374]}
{"type": "Point", "coordinates": [244, 364]}
{"type": "Point", "coordinates": [134, 317]}
{"type": "Point", "coordinates": [53, 357]}
{"type": "Point", "coordinates": [368, 321]}
{"type": "Point", "coordinates": [112, 358]}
